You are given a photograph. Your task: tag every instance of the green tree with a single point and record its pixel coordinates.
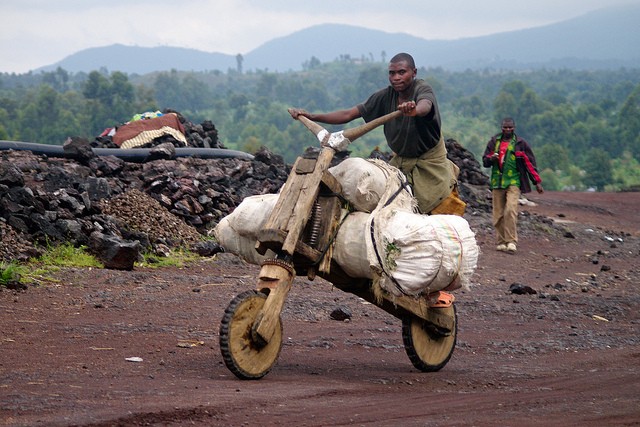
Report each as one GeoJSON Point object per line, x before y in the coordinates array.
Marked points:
{"type": "Point", "coordinates": [168, 90]}
{"type": "Point", "coordinates": [49, 119]}
{"type": "Point", "coordinates": [266, 85]}
{"type": "Point", "coordinates": [312, 64]}
{"type": "Point", "coordinates": [629, 123]}
{"type": "Point", "coordinates": [470, 107]}
{"type": "Point", "coordinates": [3, 132]}
{"type": "Point", "coordinates": [110, 101]}
{"type": "Point", "coordinates": [58, 79]}
{"type": "Point", "coordinates": [598, 169]}
{"type": "Point", "coordinates": [517, 100]}
{"type": "Point", "coordinates": [44, 112]}
{"type": "Point", "coordinates": [121, 96]}
{"type": "Point", "coordinates": [528, 106]}
{"type": "Point", "coordinates": [239, 61]}
{"type": "Point", "coordinates": [552, 156]}
{"type": "Point", "coordinates": [505, 105]}
{"type": "Point", "coordinates": [626, 171]}
{"type": "Point", "coordinates": [550, 126]}
{"type": "Point", "coordinates": [96, 87]}
{"type": "Point", "coordinates": [195, 95]}
{"type": "Point", "coordinates": [251, 145]}
{"type": "Point", "coordinates": [370, 80]}
{"type": "Point", "coordinates": [551, 180]}
{"type": "Point", "coordinates": [145, 98]}
{"type": "Point", "coordinates": [574, 179]}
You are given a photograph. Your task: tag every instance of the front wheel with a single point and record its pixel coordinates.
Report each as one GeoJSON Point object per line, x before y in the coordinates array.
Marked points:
{"type": "Point", "coordinates": [244, 355]}
{"type": "Point", "coordinates": [429, 347]}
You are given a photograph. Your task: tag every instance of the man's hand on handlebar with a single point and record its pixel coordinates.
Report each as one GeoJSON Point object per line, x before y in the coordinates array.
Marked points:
{"type": "Point", "coordinates": [296, 112]}
{"type": "Point", "coordinates": [408, 108]}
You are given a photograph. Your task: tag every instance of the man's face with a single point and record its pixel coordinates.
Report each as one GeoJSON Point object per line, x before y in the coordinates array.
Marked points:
{"type": "Point", "coordinates": [401, 75]}
{"type": "Point", "coordinates": [507, 129]}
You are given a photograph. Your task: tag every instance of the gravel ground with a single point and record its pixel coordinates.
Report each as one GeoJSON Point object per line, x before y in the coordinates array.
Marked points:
{"type": "Point", "coordinates": [568, 354]}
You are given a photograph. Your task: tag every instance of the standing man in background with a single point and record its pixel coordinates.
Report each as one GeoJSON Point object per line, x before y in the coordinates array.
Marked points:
{"type": "Point", "coordinates": [512, 165]}
{"type": "Point", "coordinates": [415, 137]}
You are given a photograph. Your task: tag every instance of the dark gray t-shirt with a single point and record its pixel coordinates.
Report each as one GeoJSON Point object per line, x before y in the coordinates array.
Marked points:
{"type": "Point", "coordinates": [407, 136]}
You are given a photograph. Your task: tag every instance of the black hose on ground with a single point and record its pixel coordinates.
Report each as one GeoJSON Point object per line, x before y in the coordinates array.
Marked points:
{"type": "Point", "coordinates": [135, 155]}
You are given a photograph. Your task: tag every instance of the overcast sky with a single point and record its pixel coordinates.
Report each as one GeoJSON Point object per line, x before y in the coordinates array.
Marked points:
{"type": "Point", "coordinates": [34, 33]}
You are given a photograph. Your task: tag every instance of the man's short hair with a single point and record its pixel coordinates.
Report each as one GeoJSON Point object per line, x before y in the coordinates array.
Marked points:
{"type": "Point", "coordinates": [404, 57]}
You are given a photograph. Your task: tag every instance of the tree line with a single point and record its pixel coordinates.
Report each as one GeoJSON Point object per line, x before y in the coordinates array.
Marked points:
{"type": "Point", "coordinates": [584, 126]}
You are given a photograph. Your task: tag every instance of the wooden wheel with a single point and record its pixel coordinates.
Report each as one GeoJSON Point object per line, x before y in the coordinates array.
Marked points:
{"type": "Point", "coordinates": [429, 348]}
{"type": "Point", "coordinates": [244, 355]}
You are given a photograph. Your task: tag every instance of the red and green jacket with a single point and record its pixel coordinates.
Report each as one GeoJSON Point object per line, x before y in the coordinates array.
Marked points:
{"type": "Point", "coordinates": [520, 154]}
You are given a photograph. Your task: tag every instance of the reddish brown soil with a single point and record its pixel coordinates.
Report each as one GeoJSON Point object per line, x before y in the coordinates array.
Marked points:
{"type": "Point", "coordinates": [567, 355]}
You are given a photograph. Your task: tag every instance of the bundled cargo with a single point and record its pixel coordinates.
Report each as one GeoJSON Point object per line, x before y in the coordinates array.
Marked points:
{"type": "Point", "coordinates": [237, 232]}
{"type": "Point", "coordinates": [384, 239]}
{"type": "Point", "coordinates": [363, 181]}
{"type": "Point", "coordinates": [405, 252]}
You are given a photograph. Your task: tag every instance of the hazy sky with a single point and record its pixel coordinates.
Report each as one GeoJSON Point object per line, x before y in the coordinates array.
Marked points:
{"type": "Point", "coordinates": [34, 33]}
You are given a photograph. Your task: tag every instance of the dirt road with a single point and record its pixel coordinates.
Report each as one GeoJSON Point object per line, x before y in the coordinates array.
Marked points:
{"type": "Point", "coordinates": [567, 355]}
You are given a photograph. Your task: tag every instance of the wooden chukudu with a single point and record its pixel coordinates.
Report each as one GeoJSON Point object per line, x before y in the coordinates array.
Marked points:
{"type": "Point", "coordinates": [300, 231]}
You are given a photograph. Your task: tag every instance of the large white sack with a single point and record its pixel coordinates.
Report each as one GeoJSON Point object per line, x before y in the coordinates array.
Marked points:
{"type": "Point", "coordinates": [234, 243]}
{"type": "Point", "coordinates": [418, 254]}
{"type": "Point", "coordinates": [350, 248]}
{"type": "Point", "coordinates": [249, 217]}
{"type": "Point", "coordinates": [237, 232]}
{"type": "Point", "coordinates": [414, 254]}
{"type": "Point", "coordinates": [363, 181]}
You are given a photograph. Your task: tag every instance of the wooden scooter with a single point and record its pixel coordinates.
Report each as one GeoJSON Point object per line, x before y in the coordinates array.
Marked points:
{"type": "Point", "coordinates": [300, 231]}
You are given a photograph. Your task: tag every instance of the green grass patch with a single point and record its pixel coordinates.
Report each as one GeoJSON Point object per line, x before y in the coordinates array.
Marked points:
{"type": "Point", "coordinates": [66, 255]}
{"type": "Point", "coordinates": [177, 258]}
{"type": "Point", "coordinates": [9, 273]}
{"type": "Point", "coordinates": [42, 269]}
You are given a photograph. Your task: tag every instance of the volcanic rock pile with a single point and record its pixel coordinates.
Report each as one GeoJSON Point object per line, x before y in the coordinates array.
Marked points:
{"type": "Point", "coordinates": [470, 170]}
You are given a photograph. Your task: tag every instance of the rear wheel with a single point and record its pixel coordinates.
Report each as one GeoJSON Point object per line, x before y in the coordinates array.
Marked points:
{"type": "Point", "coordinates": [428, 346]}
{"type": "Point", "coordinates": [248, 357]}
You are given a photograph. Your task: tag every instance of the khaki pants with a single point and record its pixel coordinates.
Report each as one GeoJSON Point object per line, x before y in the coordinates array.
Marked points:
{"type": "Point", "coordinates": [505, 214]}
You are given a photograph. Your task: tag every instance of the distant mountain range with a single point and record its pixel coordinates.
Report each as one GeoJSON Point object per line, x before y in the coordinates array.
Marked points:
{"type": "Point", "coordinates": [605, 39]}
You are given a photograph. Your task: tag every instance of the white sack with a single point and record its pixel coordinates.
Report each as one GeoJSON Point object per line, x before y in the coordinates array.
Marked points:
{"type": "Point", "coordinates": [237, 232]}
{"type": "Point", "coordinates": [363, 181]}
{"type": "Point", "coordinates": [350, 248]}
{"type": "Point", "coordinates": [418, 254]}
{"type": "Point", "coordinates": [409, 253]}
